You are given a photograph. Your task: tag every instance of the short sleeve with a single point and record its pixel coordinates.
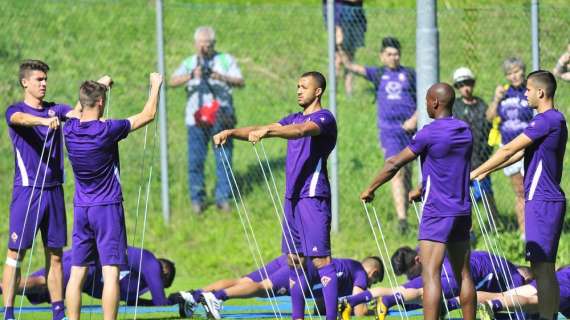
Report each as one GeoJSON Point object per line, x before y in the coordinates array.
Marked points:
{"type": "Point", "coordinates": [326, 122]}
{"type": "Point", "coordinates": [360, 279]}
{"type": "Point", "coordinates": [10, 111]}
{"type": "Point", "coordinates": [287, 120]}
{"type": "Point", "coordinates": [415, 283]}
{"type": "Point", "coordinates": [419, 141]}
{"type": "Point", "coordinates": [537, 128]}
{"type": "Point", "coordinates": [118, 129]}
{"type": "Point", "coordinates": [61, 111]}
{"type": "Point", "coordinates": [232, 69]}
{"type": "Point", "coordinates": [373, 75]}
{"type": "Point", "coordinates": [185, 67]}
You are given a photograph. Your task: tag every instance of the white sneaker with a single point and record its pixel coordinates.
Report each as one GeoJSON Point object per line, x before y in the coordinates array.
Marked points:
{"type": "Point", "coordinates": [212, 305]}
{"type": "Point", "coordinates": [485, 312]}
{"type": "Point", "coordinates": [186, 308]}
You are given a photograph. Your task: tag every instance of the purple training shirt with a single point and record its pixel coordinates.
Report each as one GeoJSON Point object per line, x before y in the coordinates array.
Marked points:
{"type": "Point", "coordinates": [444, 147]}
{"type": "Point", "coordinates": [28, 141]}
{"type": "Point", "coordinates": [544, 159]}
{"type": "Point", "coordinates": [306, 162]}
{"type": "Point", "coordinates": [514, 112]}
{"type": "Point", "coordinates": [94, 155]}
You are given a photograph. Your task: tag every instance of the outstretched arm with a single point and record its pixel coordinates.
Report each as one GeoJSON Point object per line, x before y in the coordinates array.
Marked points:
{"type": "Point", "coordinates": [27, 120]}
{"type": "Point", "coordinates": [503, 156]}
{"type": "Point", "coordinates": [353, 67]}
{"type": "Point", "coordinates": [391, 167]}
{"type": "Point", "coordinates": [240, 133]}
{"type": "Point", "coordinates": [149, 111]}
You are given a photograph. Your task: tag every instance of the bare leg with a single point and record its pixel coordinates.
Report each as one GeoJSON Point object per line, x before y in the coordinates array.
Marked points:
{"type": "Point", "coordinates": [518, 187]}
{"type": "Point", "coordinates": [400, 189]}
{"type": "Point", "coordinates": [73, 292]}
{"type": "Point", "coordinates": [250, 289]}
{"type": "Point", "coordinates": [431, 257]}
{"type": "Point", "coordinates": [524, 296]}
{"type": "Point", "coordinates": [11, 277]}
{"type": "Point", "coordinates": [111, 292]}
{"type": "Point", "coordinates": [54, 272]}
{"type": "Point", "coordinates": [548, 288]}
{"type": "Point", "coordinates": [225, 283]}
{"type": "Point", "coordinates": [459, 257]}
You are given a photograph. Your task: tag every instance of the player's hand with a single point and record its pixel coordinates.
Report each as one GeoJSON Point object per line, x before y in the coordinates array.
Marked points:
{"type": "Point", "coordinates": [197, 72]}
{"type": "Point", "coordinates": [564, 59]}
{"type": "Point", "coordinates": [106, 80]}
{"type": "Point", "coordinates": [217, 76]}
{"type": "Point", "coordinates": [256, 135]}
{"type": "Point", "coordinates": [499, 93]}
{"type": "Point", "coordinates": [367, 195]}
{"type": "Point", "coordinates": [478, 176]}
{"type": "Point", "coordinates": [52, 123]}
{"type": "Point", "coordinates": [221, 137]}
{"type": "Point", "coordinates": [155, 79]}
{"type": "Point", "coordinates": [415, 195]}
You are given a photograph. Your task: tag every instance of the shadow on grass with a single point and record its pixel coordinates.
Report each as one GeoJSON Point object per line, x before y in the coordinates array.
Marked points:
{"type": "Point", "coordinates": [252, 176]}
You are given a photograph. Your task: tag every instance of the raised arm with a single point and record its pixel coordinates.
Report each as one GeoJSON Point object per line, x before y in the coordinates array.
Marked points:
{"type": "Point", "coordinates": [508, 154]}
{"type": "Point", "coordinates": [353, 67]}
{"type": "Point", "coordinates": [76, 111]}
{"type": "Point", "coordinates": [491, 112]}
{"type": "Point", "coordinates": [239, 133]}
{"type": "Point", "coordinates": [149, 111]}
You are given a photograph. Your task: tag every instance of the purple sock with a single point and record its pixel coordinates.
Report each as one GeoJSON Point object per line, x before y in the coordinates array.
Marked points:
{"type": "Point", "coordinates": [221, 295]}
{"type": "Point", "coordinates": [330, 290]}
{"type": "Point", "coordinates": [453, 304]}
{"type": "Point", "coordinates": [359, 298]}
{"type": "Point", "coordinates": [58, 310]}
{"type": "Point", "coordinates": [496, 305]}
{"type": "Point", "coordinates": [297, 287]}
{"type": "Point", "coordinates": [392, 300]}
{"type": "Point", "coordinates": [196, 294]}
{"type": "Point", "coordinates": [9, 313]}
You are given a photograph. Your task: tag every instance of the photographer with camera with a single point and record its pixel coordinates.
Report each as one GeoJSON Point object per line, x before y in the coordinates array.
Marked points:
{"type": "Point", "coordinates": [208, 77]}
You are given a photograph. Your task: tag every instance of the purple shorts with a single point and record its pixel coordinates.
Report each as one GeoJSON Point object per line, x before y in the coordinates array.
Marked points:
{"type": "Point", "coordinates": [47, 216]}
{"type": "Point", "coordinates": [392, 141]}
{"type": "Point", "coordinates": [272, 267]}
{"type": "Point", "coordinates": [309, 220]}
{"type": "Point", "coordinates": [99, 235]}
{"type": "Point", "coordinates": [445, 229]}
{"type": "Point", "coordinates": [543, 225]}
{"type": "Point", "coordinates": [280, 281]}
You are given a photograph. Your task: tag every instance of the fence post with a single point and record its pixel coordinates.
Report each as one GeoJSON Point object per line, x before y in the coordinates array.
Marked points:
{"type": "Point", "coordinates": [534, 26]}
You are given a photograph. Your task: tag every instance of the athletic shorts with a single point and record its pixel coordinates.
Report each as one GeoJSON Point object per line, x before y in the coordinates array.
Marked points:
{"type": "Point", "coordinates": [445, 229]}
{"type": "Point", "coordinates": [514, 168]}
{"type": "Point", "coordinates": [393, 141]}
{"type": "Point", "coordinates": [47, 215]}
{"type": "Point", "coordinates": [272, 267]}
{"type": "Point", "coordinates": [543, 226]}
{"type": "Point", "coordinates": [99, 235]}
{"type": "Point", "coordinates": [307, 225]}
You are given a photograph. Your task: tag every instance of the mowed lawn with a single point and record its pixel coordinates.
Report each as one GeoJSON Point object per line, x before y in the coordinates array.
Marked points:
{"type": "Point", "coordinates": [274, 42]}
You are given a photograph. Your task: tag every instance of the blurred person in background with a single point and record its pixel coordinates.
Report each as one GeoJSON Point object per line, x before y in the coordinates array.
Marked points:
{"type": "Point", "coordinates": [472, 109]}
{"type": "Point", "coordinates": [562, 68]}
{"type": "Point", "coordinates": [397, 119]}
{"type": "Point", "coordinates": [350, 29]}
{"type": "Point", "coordinates": [208, 77]}
{"type": "Point", "coordinates": [510, 105]}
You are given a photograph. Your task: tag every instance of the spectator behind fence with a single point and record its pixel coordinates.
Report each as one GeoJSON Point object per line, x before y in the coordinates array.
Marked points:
{"type": "Point", "coordinates": [350, 28]}
{"type": "Point", "coordinates": [562, 68]}
{"type": "Point", "coordinates": [511, 106]}
{"type": "Point", "coordinates": [395, 87]}
{"type": "Point", "coordinates": [471, 109]}
{"type": "Point", "coordinates": [209, 77]}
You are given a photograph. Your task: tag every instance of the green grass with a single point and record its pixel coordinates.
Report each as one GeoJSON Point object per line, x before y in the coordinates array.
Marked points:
{"type": "Point", "coordinates": [273, 43]}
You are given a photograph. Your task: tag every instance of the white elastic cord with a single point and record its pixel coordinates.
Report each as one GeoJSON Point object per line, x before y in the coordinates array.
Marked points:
{"type": "Point", "coordinates": [386, 262]}
{"type": "Point", "coordinates": [280, 215]}
{"type": "Point", "coordinates": [248, 229]}
{"type": "Point", "coordinates": [12, 262]}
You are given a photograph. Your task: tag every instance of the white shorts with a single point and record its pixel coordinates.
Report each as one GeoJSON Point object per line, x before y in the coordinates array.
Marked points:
{"type": "Point", "coordinates": [514, 168]}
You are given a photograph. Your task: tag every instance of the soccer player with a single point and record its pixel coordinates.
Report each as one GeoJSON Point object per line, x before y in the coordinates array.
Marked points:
{"type": "Point", "coordinates": [99, 221]}
{"type": "Point", "coordinates": [544, 144]}
{"type": "Point", "coordinates": [156, 275]}
{"type": "Point", "coordinates": [444, 147]}
{"type": "Point", "coordinates": [353, 277]}
{"type": "Point", "coordinates": [526, 297]}
{"type": "Point", "coordinates": [311, 136]}
{"type": "Point", "coordinates": [33, 126]}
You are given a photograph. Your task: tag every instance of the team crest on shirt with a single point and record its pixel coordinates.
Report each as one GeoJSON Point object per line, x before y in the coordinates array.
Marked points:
{"type": "Point", "coordinates": [282, 291]}
{"type": "Point", "coordinates": [393, 90]}
{"type": "Point", "coordinates": [51, 113]}
{"type": "Point", "coordinates": [325, 281]}
{"type": "Point", "coordinates": [291, 283]}
{"type": "Point", "coordinates": [402, 76]}
{"type": "Point", "coordinates": [315, 249]}
{"type": "Point", "coordinates": [14, 236]}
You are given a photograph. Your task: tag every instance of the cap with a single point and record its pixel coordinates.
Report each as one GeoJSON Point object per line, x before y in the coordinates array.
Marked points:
{"type": "Point", "coordinates": [462, 74]}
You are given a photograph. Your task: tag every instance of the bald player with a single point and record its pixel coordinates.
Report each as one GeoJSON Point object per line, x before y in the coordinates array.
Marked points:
{"type": "Point", "coordinates": [444, 147]}
{"type": "Point", "coordinates": [311, 136]}
{"type": "Point", "coordinates": [543, 145]}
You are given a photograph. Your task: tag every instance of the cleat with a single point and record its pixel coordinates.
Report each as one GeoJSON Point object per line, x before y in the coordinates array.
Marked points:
{"type": "Point", "coordinates": [381, 311]}
{"type": "Point", "coordinates": [485, 312]}
{"type": "Point", "coordinates": [187, 305]}
{"type": "Point", "coordinates": [344, 310]}
{"type": "Point", "coordinates": [211, 304]}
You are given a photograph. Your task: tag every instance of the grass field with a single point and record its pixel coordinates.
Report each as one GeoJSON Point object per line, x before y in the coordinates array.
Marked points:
{"type": "Point", "coordinates": [274, 42]}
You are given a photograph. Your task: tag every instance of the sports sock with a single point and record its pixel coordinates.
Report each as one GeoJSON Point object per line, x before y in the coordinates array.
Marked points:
{"type": "Point", "coordinates": [221, 295]}
{"type": "Point", "coordinates": [298, 285]}
{"type": "Point", "coordinates": [330, 290]}
{"type": "Point", "coordinates": [9, 313]}
{"type": "Point", "coordinates": [196, 294]}
{"type": "Point", "coordinates": [392, 300]}
{"type": "Point", "coordinates": [453, 304]}
{"type": "Point", "coordinates": [57, 310]}
{"type": "Point", "coordinates": [359, 298]}
{"type": "Point", "coordinates": [496, 305]}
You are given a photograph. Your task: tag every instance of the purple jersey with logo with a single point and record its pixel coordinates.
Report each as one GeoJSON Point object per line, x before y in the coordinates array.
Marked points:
{"type": "Point", "coordinates": [349, 273]}
{"type": "Point", "coordinates": [94, 155]}
{"type": "Point", "coordinates": [514, 112]}
{"type": "Point", "coordinates": [306, 163]}
{"type": "Point", "coordinates": [544, 158]}
{"type": "Point", "coordinates": [28, 143]}
{"type": "Point", "coordinates": [395, 94]}
{"type": "Point", "coordinates": [444, 147]}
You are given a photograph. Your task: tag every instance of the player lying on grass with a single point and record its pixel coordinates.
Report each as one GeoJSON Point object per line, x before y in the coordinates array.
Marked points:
{"type": "Point", "coordinates": [353, 277]}
{"type": "Point", "coordinates": [406, 261]}
{"type": "Point", "coordinates": [156, 275]}
{"type": "Point", "coordinates": [525, 296]}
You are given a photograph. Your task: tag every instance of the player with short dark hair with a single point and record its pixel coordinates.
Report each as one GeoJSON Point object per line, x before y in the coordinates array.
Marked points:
{"type": "Point", "coordinates": [543, 144]}
{"type": "Point", "coordinates": [444, 147]}
{"type": "Point", "coordinates": [99, 223]}
{"type": "Point", "coordinates": [311, 136]}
